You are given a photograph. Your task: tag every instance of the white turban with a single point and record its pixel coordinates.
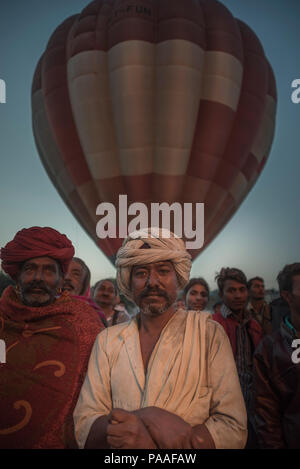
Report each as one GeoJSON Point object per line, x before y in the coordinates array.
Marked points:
{"type": "Point", "coordinates": [165, 246]}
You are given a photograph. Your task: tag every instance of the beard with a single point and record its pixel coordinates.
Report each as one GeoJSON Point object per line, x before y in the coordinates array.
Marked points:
{"type": "Point", "coordinates": [44, 298]}
{"type": "Point", "coordinates": [154, 309]}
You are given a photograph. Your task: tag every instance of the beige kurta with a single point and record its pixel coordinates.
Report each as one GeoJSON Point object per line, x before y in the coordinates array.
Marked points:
{"type": "Point", "coordinates": [191, 373]}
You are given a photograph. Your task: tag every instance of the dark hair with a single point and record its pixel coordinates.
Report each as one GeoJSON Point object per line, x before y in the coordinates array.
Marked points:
{"type": "Point", "coordinates": [111, 280]}
{"type": "Point", "coordinates": [87, 277]}
{"type": "Point", "coordinates": [195, 281]}
{"type": "Point", "coordinates": [230, 273]}
{"type": "Point", "coordinates": [249, 283]}
{"type": "Point", "coordinates": [285, 276]}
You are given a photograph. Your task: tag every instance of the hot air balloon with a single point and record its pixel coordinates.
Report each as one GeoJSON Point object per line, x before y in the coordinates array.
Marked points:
{"type": "Point", "coordinates": [160, 100]}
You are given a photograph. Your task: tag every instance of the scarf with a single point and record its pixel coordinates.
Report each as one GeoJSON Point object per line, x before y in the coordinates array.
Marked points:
{"type": "Point", "coordinates": [47, 352]}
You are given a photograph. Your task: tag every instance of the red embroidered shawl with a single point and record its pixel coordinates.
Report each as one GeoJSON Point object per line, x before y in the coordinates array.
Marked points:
{"type": "Point", "coordinates": [47, 352]}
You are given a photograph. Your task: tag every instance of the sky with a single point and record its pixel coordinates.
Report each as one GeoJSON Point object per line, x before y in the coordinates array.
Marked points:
{"type": "Point", "coordinates": [264, 233]}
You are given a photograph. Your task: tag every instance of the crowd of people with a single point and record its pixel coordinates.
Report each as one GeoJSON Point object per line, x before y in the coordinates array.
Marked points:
{"type": "Point", "coordinates": [81, 371]}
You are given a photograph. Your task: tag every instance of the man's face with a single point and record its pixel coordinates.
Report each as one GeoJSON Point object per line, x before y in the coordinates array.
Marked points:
{"type": "Point", "coordinates": [235, 295]}
{"type": "Point", "coordinates": [257, 290]}
{"type": "Point", "coordinates": [197, 297]}
{"type": "Point", "coordinates": [39, 281]}
{"type": "Point", "coordinates": [105, 294]}
{"type": "Point", "coordinates": [293, 298]}
{"type": "Point", "coordinates": [154, 287]}
{"type": "Point", "coordinates": [74, 278]}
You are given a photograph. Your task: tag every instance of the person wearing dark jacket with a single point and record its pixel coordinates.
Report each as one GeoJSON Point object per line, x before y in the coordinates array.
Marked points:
{"type": "Point", "coordinates": [277, 373]}
{"type": "Point", "coordinates": [279, 308]}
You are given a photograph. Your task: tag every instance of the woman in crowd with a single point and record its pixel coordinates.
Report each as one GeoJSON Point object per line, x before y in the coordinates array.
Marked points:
{"type": "Point", "coordinates": [196, 294]}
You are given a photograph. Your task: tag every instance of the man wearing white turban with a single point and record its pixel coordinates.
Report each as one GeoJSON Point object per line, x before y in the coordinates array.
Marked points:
{"type": "Point", "coordinates": [160, 380]}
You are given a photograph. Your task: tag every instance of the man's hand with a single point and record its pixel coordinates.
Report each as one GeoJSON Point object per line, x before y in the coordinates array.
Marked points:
{"type": "Point", "coordinates": [126, 430]}
{"type": "Point", "coordinates": [167, 429]}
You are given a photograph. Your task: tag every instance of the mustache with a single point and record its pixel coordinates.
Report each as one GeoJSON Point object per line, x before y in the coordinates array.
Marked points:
{"type": "Point", "coordinates": [67, 283]}
{"type": "Point", "coordinates": [37, 284]}
{"type": "Point", "coordinates": [150, 291]}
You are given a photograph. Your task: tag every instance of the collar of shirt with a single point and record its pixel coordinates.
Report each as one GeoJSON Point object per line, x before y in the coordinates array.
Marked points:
{"type": "Point", "coordinates": [226, 312]}
{"type": "Point", "coordinates": [251, 308]}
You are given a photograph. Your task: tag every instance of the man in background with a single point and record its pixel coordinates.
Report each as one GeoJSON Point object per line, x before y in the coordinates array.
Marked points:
{"type": "Point", "coordinates": [106, 295]}
{"type": "Point", "coordinates": [257, 306]}
{"type": "Point", "coordinates": [244, 334]}
{"type": "Point", "coordinates": [77, 282]}
{"type": "Point", "coordinates": [277, 372]}
{"type": "Point", "coordinates": [77, 278]}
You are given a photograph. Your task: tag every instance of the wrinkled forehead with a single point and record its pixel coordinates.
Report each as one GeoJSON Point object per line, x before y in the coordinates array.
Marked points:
{"type": "Point", "coordinates": [153, 265]}
{"type": "Point", "coordinates": [40, 261]}
{"type": "Point", "coordinates": [75, 265]}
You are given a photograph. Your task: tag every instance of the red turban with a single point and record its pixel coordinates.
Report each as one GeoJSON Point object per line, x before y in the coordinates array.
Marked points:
{"type": "Point", "coordinates": [36, 242]}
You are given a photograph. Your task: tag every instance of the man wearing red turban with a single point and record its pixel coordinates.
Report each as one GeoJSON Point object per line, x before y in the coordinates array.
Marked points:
{"type": "Point", "coordinates": [48, 338]}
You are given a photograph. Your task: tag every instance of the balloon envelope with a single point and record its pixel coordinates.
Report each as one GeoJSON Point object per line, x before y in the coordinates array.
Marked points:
{"type": "Point", "coordinates": [164, 101]}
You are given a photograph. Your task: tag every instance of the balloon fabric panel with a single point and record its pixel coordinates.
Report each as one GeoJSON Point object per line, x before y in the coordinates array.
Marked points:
{"type": "Point", "coordinates": [166, 101]}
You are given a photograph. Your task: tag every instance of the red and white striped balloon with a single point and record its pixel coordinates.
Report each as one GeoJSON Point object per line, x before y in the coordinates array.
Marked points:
{"type": "Point", "coordinates": [162, 100]}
